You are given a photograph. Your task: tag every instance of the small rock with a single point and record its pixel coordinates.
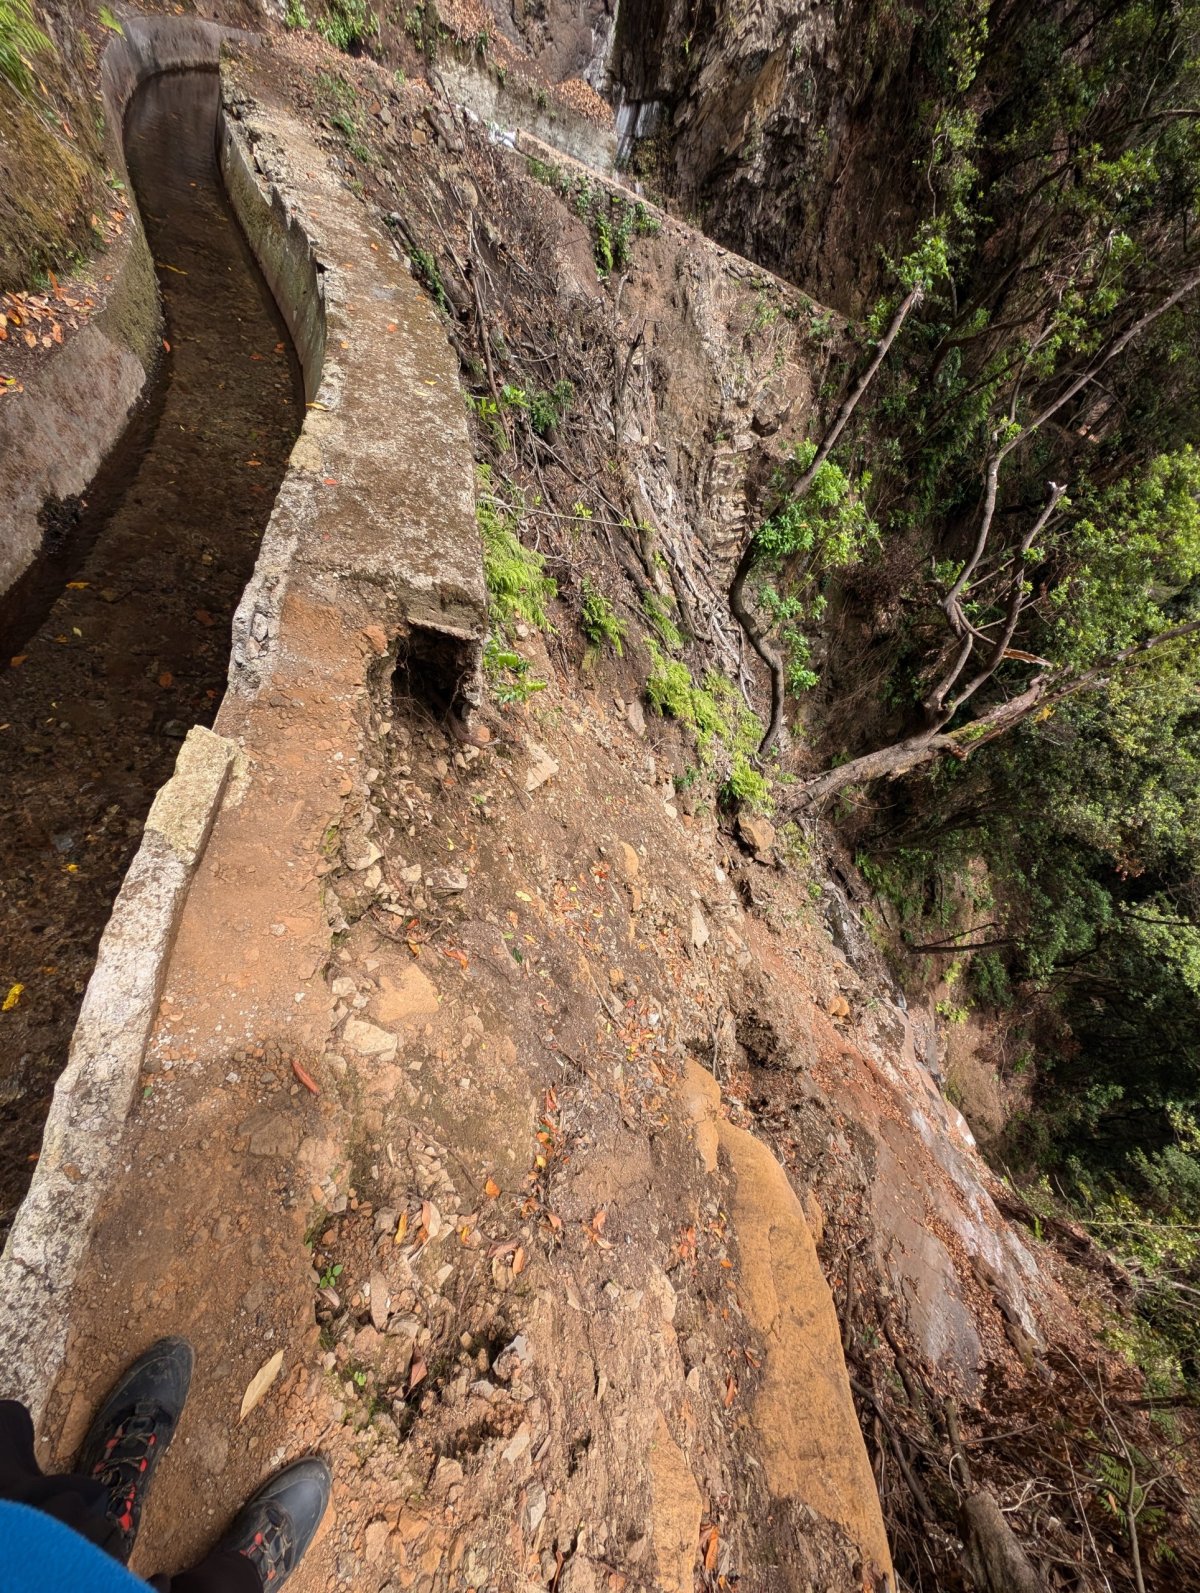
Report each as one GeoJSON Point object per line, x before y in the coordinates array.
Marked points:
{"type": "Point", "coordinates": [385, 1221]}
{"type": "Point", "coordinates": [699, 929]}
{"type": "Point", "coordinates": [636, 718]}
{"type": "Point", "coordinates": [344, 988]}
{"type": "Point", "coordinates": [379, 1301]}
{"type": "Point", "coordinates": [536, 1506]}
{"type": "Point", "coordinates": [361, 853]}
{"type": "Point", "coordinates": [511, 1359]}
{"type": "Point", "coordinates": [756, 833]}
{"type": "Point", "coordinates": [366, 1344]}
{"type": "Point", "coordinates": [839, 1007]}
{"type": "Point", "coordinates": [448, 1474]}
{"type": "Point", "coordinates": [542, 766]}
{"type": "Point", "coordinates": [369, 1040]}
{"type": "Point", "coordinates": [272, 1133]}
{"type": "Point", "coordinates": [627, 861]}
{"type": "Point", "coordinates": [378, 1534]}
{"type": "Point", "coordinates": [447, 881]}
{"type": "Point", "coordinates": [516, 1446]}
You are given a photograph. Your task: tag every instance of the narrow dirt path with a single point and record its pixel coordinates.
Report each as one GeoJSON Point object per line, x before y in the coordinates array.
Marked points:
{"type": "Point", "coordinates": [124, 641]}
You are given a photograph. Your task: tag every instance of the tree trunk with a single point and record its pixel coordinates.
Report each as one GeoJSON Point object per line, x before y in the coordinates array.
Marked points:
{"type": "Point", "coordinates": [888, 763]}
{"type": "Point", "coordinates": [995, 1559]}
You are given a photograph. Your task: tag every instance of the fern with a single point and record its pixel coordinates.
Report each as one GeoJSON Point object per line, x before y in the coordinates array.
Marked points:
{"type": "Point", "coordinates": [20, 40]}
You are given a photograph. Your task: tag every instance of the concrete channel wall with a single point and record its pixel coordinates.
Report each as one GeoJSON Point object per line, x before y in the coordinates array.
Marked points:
{"type": "Point", "coordinates": [371, 557]}
{"type": "Point", "coordinates": [74, 408]}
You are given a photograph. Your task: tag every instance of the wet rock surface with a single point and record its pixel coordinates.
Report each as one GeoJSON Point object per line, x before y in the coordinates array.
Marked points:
{"type": "Point", "coordinates": [99, 688]}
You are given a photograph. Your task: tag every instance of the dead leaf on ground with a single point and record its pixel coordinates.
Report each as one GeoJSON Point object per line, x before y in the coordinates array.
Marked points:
{"type": "Point", "coordinates": [710, 1543]}
{"type": "Point", "coordinates": [260, 1383]}
{"type": "Point", "coordinates": [305, 1078]}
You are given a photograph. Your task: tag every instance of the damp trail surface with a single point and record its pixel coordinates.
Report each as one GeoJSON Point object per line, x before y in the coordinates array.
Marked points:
{"type": "Point", "coordinates": [118, 640]}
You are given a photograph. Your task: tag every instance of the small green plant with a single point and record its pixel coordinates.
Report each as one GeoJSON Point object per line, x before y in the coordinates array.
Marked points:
{"type": "Point", "coordinates": [599, 620]}
{"type": "Point", "coordinates": [517, 583]}
{"type": "Point", "coordinates": [109, 19]}
{"type": "Point", "coordinates": [746, 785]}
{"type": "Point", "coordinates": [347, 24]}
{"type": "Point", "coordinates": [427, 269]}
{"type": "Point", "coordinates": [507, 673]}
{"type": "Point", "coordinates": [330, 1275]}
{"type": "Point", "coordinates": [951, 1011]}
{"type": "Point", "coordinates": [669, 686]}
{"type": "Point", "coordinates": [546, 410]}
{"type": "Point", "coordinates": [659, 615]}
{"type": "Point", "coordinates": [295, 16]}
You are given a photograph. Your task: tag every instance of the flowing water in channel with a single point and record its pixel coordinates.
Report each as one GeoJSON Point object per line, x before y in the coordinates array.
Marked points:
{"type": "Point", "coordinates": [120, 640]}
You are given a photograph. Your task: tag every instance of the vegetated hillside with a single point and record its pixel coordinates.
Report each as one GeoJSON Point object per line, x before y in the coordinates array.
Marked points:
{"type": "Point", "coordinates": [976, 580]}
{"type": "Point", "coordinates": [980, 571]}
{"type": "Point", "coordinates": [639, 435]}
{"type": "Point", "coordinates": [52, 211]}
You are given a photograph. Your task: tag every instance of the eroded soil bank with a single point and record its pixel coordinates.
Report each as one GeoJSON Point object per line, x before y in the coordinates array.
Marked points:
{"type": "Point", "coordinates": [123, 640]}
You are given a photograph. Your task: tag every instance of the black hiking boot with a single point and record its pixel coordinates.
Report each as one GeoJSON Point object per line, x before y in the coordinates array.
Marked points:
{"type": "Point", "coordinates": [132, 1429]}
{"type": "Point", "coordinates": [274, 1528]}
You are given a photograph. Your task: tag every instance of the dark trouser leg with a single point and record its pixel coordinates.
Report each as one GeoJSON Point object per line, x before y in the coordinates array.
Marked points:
{"type": "Point", "coordinates": [78, 1502]}
{"type": "Point", "coordinates": [220, 1572]}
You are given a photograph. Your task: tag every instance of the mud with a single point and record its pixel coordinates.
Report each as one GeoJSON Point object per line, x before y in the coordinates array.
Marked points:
{"type": "Point", "coordinates": [123, 639]}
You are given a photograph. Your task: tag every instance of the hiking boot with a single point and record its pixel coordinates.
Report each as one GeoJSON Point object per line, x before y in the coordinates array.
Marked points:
{"type": "Point", "coordinates": [131, 1432]}
{"type": "Point", "coordinates": [276, 1526]}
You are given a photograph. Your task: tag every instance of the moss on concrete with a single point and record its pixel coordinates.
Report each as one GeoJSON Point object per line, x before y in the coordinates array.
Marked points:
{"type": "Point", "coordinates": [50, 193]}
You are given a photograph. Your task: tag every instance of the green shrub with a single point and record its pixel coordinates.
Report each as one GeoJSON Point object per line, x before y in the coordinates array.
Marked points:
{"type": "Point", "coordinates": [746, 785]}
{"type": "Point", "coordinates": [669, 686]}
{"type": "Point", "coordinates": [427, 270]}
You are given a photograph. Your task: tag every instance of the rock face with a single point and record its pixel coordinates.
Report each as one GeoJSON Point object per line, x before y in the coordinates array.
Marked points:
{"type": "Point", "coordinates": [781, 126]}
{"type": "Point", "coordinates": [804, 1418]}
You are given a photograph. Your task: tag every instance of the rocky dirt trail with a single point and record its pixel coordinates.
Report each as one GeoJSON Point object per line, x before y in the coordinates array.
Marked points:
{"type": "Point", "coordinates": [556, 1318]}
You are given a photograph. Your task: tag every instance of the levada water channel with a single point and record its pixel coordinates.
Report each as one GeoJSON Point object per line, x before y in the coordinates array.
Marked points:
{"type": "Point", "coordinates": [119, 637]}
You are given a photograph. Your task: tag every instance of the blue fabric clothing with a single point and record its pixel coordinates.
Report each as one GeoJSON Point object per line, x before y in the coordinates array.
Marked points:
{"type": "Point", "coordinates": [40, 1555]}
